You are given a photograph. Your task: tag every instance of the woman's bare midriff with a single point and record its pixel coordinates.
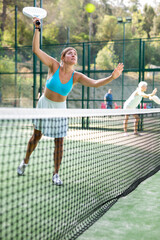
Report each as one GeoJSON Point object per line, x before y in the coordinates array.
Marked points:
{"type": "Point", "coordinates": [53, 96]}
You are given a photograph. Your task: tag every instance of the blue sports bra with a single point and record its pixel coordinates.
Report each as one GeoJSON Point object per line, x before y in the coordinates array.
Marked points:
{"type": "Point", "coordinates": [55, 85]}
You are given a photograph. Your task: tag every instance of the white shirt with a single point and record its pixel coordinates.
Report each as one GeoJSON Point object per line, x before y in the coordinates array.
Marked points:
{"type": "Point", "coordinates": [134, 100]}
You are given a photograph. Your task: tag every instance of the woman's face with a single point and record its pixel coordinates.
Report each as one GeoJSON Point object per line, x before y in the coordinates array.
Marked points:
{"type": "Point", "coordinates": [70, 57]}
{"type": "Point", "coordinates": [144, 88]}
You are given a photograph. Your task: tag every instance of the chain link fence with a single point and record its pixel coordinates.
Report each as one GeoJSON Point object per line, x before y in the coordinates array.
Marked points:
{"type": "Point", "coordinates": [23, 76]}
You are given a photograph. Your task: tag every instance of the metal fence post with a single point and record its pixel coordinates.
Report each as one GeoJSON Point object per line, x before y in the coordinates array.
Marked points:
{"type": "Point", "coordinates": [15, 91]}
{"type": "Point", "coordinates": [143, 61]}
{"type": "Point", "coordinates": [83, 71]}
{"type": "Point", "coordinates": [40, 79]}
{"type": "Point", "coordinates": [140, 59]}
{"type": "Point", "coordinates": [34, 72]}
{"type": "Point", "coordinates": [88, 89]}
{"type": "Point", "coordinates": [142, 70]}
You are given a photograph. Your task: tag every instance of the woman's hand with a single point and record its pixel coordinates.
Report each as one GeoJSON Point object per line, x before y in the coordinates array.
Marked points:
{"type": "Point", "coordinates": [117, 71]}
{"type": "Point", "coordinates": [35, 22]}
{"type": "Point", "coordinates": [154, 92]}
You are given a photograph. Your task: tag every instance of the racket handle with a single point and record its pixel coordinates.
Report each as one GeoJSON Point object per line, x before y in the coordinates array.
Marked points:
{"type": "Point", "coordinates": [38, 22]}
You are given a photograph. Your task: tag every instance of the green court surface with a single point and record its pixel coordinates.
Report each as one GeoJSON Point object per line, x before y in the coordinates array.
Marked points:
{"type": "Point", "coordinates": [135, 217]}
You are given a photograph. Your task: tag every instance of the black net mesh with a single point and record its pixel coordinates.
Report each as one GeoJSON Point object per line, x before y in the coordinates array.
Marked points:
{"type": "Point", "coordinates": [99, 165]}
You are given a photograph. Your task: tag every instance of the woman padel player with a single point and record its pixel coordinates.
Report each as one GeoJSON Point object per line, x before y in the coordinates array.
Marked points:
{"type": "Point", "coordinates": [60, 81]}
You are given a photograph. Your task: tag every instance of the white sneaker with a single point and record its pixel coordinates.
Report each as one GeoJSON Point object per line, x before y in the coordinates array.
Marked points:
{"type": "Point", "coordinates": [56, 180]}
{"type": "Point", "coordinates": [125, 134]}
{"type": "Point", "coordinates": [137, 134]}
{"type": "Point", "coordinates": [21, 168]}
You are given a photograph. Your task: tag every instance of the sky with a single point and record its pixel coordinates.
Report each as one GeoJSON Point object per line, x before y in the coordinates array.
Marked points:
{"type": "Point", "coordinates": [152, 3]}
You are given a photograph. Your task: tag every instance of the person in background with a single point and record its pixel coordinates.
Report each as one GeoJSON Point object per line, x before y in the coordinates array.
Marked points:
{"type": "Point", "coordinates": [108, 98]}
{"type": "Point", "coordinates": [132, 103]}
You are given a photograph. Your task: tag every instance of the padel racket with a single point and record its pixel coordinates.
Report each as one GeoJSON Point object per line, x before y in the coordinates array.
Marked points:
{"type": "Point", "coordinates": [32, 12]}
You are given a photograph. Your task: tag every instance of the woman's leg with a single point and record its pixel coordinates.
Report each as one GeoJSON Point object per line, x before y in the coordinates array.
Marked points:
{"type": "Point", "coordinates": [30, 148]}
{"type": "Point", "coordinates": [125, 123]}
{"type": "Point", "coordinates": [136, 123]}
{"type": "Point", "coordinates": [32, 144]}
{"type": "Point", "coordinates": [58, 153]}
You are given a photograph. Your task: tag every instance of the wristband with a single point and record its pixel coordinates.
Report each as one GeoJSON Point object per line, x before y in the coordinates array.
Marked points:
{"type": "Point", "coordinates": [38, 28]}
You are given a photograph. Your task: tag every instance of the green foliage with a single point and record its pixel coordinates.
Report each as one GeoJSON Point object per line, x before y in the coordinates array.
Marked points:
{"type": "Point", "coordinates": [7, 38]}
{"type": "Point", "coordinates": [152, 53]}
{"type": "Point", "coordinates": [63, 14]}
{"type": "Point", "coordinates": [149, 15]}
{"type": "Point", "coordinates": [71, 14]}
{"type": "Point", "coordinates": [156, 28]}
{"type": "Point", "coordinates": [50, 34]}
{"type": "Point", "coordinates": [107, 28]}
{"type": "Point", "coordinates": [6, 63]}
{"type": "Point", "coordinates": [23, 85]}
{"type": "Point", "coordinates": [131, 55]}
{"type": "Point", "coordinates": [135, 4]}
{"type": "Point", "coordinates": [120, 31]}
{"type": "Point", "coordinates": [137, 25]}
{"type": "Point", "coordinates": [80, 37]}
{"type": "Point", "coordinates": [106, 58]}
{"type": "Point", "coordinates": [25, 35]}
{"type": "Point", "coordinates": [7, 80]}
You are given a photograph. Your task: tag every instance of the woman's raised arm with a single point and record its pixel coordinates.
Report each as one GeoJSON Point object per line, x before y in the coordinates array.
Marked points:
{"type": "Point", "coordinates": [45, 58]}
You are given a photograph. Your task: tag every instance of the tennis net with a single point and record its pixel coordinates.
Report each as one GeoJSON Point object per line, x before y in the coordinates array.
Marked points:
{"type": "Point", "coordinates": [99, 165]}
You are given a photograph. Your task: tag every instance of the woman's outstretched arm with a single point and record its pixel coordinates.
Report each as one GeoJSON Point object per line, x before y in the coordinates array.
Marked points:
{"type": "Point", "coordinates": [89, 82]}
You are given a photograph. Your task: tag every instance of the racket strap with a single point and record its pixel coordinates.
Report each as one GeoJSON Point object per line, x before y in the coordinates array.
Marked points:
{"type": "Point", "coordinates": [38, 28]}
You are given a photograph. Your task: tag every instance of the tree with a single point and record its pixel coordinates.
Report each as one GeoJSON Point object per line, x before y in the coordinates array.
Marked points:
{"type": "Point", "coordinates": [152, 53]}
{"type": "Point", "coordinates": [135, 4]}
{"type": "Point", "coordinates": [8, 7]}
{"type": "Point", "coordinates": [50, 33]}
{"type": "Point", "coordinates": [106, 7]}
{"type": "Point", "coordinates": [137, 25]}
{"type": "Point", "coordinates": [107, 28]}
{"type": "Point", "coordinates": [106, 58]}
{"type": "Point", "coordinates": [69, 13]}
{"type": "Point", "coordinates": [72, 14]}
{"type": "Point", "coordinates": [149, 15]}
{"type": "Point", "coordinates": [156, 25]}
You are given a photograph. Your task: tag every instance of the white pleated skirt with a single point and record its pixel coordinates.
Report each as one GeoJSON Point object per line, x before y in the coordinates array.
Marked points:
{"type": "Point", "coordinates": [51, 127]}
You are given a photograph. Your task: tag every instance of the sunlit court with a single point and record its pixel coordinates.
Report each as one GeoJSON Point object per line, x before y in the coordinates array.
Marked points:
{"type": "Point", "coordinates": [79, 120]}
